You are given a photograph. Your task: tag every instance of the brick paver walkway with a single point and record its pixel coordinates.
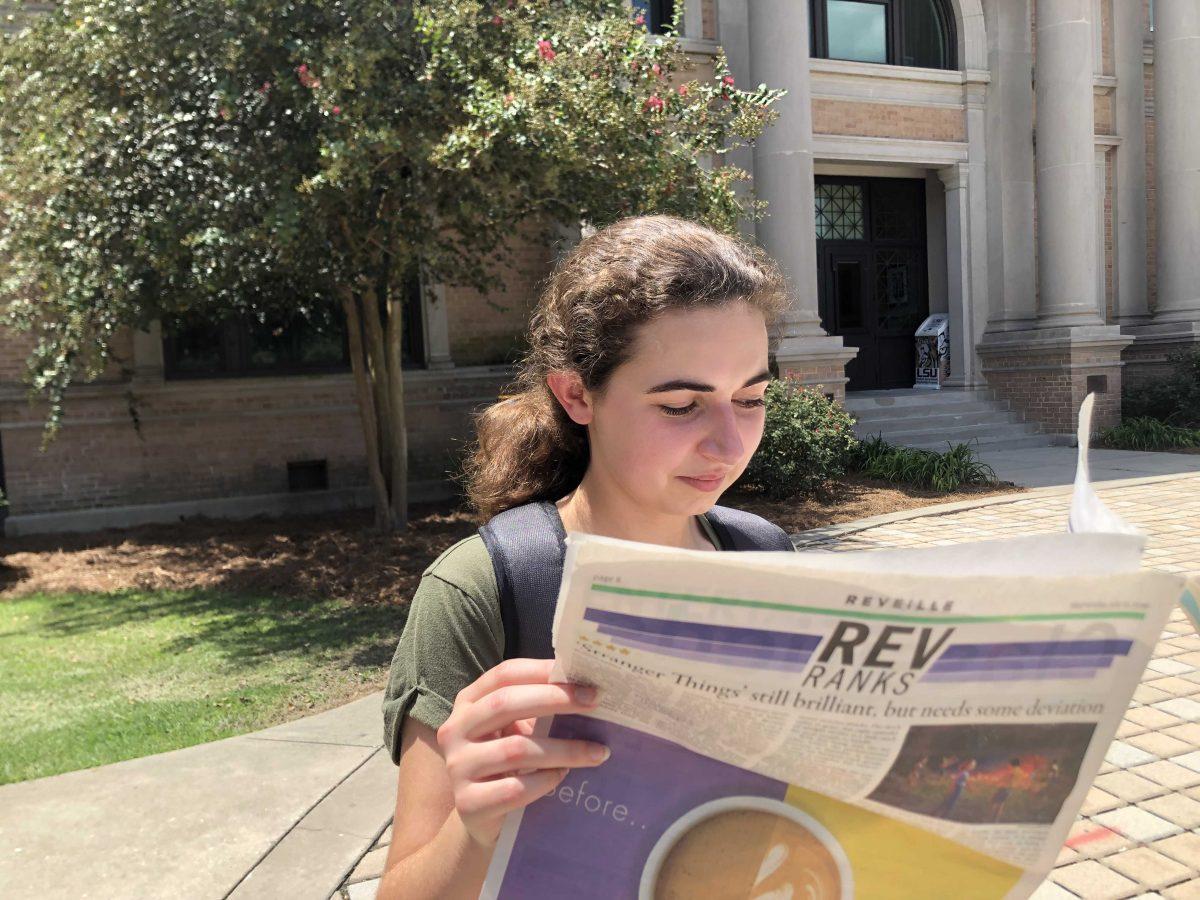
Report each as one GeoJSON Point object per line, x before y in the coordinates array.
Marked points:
{"type": "Point", "coordinates": [1139, 832]}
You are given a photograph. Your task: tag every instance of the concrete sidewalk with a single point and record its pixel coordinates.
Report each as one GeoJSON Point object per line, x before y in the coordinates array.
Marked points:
{"type": "Point", "coordinates": [285, 812]}
{"type": "Point", "coordinates": [1040, 467]}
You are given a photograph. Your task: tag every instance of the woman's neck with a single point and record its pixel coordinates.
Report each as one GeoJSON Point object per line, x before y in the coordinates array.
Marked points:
{"type": "Point", "coordinates": [608, 514]}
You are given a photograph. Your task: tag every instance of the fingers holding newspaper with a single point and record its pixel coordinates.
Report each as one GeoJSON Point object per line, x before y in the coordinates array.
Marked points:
{"type": "Point", "coordinates": [495, 762]}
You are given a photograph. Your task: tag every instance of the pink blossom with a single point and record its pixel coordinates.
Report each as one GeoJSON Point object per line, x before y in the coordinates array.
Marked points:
{"type": "Point", "coordinates": [337, 110]}
{"type": "Point", "coordinates": [657, 70]}
{"type": "Point", "coordinates": [640, 20]}
{"type": "Point", "coordinates": [497, 21]}
{"type": "Point", "coordinates": [546, 50]}
{"type": "Point", "coordinates": [653, 103]}
{"type": "Point", "coordinates": [727, 81]}
{"type": "Point", "coordinates": [683, 90]}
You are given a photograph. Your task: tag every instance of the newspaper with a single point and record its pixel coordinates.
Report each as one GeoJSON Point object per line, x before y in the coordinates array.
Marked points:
{"type": "Point", "coordinates": [919, 723]}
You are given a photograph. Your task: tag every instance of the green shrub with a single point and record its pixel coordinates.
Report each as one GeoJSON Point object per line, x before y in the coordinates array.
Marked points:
{"type": "Point", "coordinates": [807, 441]}
{"type": "Point", "coordinates": [1145, 433]}
{"type": "Point", "coordinates": [1174, 399]}
{"type": "Point", "coordinates": [944, 472]}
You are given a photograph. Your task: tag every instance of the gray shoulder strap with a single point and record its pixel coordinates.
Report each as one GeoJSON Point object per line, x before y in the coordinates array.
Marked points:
{"type": "Point", "coordinates": [746, 531]}
{"type": "Point", "coordinates": [527, 545]}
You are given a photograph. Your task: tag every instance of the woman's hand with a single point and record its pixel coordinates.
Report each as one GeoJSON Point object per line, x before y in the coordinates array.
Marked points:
{"type": "Point", "coordinates": [494, 762]}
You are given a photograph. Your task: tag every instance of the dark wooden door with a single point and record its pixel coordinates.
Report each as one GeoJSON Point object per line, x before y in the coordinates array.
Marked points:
{"type": "Point", "coordinates": [873, 278]}
{"type": "Point", "coordinates": [850, 305]}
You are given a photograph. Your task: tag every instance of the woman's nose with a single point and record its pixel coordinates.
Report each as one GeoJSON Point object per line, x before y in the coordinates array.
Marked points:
{"type": "Point", "coordinates": [723, 442]}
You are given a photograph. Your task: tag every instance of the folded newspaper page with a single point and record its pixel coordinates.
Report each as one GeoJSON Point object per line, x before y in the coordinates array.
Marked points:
{"type": "Point", "coordinates": [828, 725]}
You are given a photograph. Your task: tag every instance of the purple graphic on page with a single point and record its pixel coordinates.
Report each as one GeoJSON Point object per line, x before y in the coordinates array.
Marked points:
{"type": "Point", "coordinates": [755, 648]}
{"type": "Point", "coordinates": [591, 837]}
{"type": "Point", "coordinates": [1027, 660]}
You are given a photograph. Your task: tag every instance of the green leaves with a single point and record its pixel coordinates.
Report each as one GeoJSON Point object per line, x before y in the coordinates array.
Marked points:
{"type": "Point", "coordinates": [216, 155]}
{"type": "Point", "coordinates": [943, 472]}
{"type": "Point", "coordinates": [1172, 397]}
{"type": "Point", "coordinates": [1144, 433]}
{"type": "Point", "coordinates": [807, 442]}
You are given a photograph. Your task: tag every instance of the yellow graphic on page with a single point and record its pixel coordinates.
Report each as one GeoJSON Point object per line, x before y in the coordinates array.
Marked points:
{"type": "Point", "coordinates": [896, 860]}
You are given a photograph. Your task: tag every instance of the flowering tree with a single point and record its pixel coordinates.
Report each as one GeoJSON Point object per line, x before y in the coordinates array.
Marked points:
{"type": "Point", "coordinates": [260, 156]}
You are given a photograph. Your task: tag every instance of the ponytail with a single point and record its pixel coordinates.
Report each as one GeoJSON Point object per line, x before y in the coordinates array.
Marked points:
{"type": "Point", "coordinates": [527, 449]}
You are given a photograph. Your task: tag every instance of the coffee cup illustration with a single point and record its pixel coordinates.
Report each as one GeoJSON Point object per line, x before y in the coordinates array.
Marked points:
{"type": "Point", "coordinates": [747, 847]}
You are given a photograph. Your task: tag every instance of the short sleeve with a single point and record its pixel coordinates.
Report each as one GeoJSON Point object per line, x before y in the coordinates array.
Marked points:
{"type": "Point", "coordinates": [452, 636]}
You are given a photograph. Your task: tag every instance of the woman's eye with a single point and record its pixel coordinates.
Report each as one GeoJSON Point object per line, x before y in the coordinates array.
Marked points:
{"type": "Point", "coordinates": [678, 410]}
{"type": "Point", "coordinates": [751, 404]}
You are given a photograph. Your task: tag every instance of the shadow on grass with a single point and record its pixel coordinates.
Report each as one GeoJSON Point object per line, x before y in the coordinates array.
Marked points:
{"type": "Point", "coordinates": [243, 629]}
{"type": "Point", "coordinates": [10, 575]}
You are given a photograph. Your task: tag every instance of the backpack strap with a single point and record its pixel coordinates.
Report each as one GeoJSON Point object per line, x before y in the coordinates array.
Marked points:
{"type": "Point", "coordinates": [746, 531]}
{"type": "Point", "coordinates": [527, 545]}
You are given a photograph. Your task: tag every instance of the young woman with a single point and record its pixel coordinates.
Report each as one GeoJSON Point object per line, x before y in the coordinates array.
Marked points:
{"type": "Point", "coordinates": [640, 401]}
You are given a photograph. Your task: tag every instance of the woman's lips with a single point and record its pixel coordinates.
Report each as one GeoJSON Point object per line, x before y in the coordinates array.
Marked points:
{"type": "Point", "coordinates": [704, 484]}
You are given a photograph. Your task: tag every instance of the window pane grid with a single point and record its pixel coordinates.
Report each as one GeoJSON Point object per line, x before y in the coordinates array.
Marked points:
{"type": "Point", "coordinates": [839, 210]}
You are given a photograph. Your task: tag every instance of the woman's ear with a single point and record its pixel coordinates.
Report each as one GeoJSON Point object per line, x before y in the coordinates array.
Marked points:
{"type": "Point", "coordinates": [568, 389]}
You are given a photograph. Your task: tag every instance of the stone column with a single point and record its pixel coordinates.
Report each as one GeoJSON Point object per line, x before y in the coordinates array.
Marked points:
{"type": "Point", "coordinates": [976, 261]}
{"type": "Point", "coordinates": [733, 26]}
{"type": "Point", "coordinates": [148, 354]}
{"type": "Point", "coordinates": [1066, 185]}
{"type": "Point", "coordinates": [1012, 291]}
{"type": "Point", "coordinates": [783, 174]}
{"type": "Point", "coordinates": [1176, 81]}
{"type": "Point", "coordinates": [1045, 371]}
{"type": "Point", "coordinates": [1129, 194]}
{"type": "Point", "coordinates": [958, 266]}
{"type": "Point", "coordinates": [437, 327]}
{"type": "Point", "coordinates": [693, 20]}
{"type": "Point", "coordinates": [1101, 176]}
{"type": "Point", "coordinates": [1175, 325]}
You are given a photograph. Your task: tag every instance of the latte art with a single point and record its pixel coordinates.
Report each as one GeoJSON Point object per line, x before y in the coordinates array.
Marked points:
{"type": "Point", "coordinates": [748, 854]}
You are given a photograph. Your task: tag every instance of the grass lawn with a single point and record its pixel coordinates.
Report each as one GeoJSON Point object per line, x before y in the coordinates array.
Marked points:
{"type": "Point", "coordinates": [94, 678]}
{"type": "Point", "coordinates": [124, 643]}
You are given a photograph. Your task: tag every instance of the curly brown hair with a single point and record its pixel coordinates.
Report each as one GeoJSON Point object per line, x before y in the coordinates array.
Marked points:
{"type": "Point", "coordinates": [527, 448]}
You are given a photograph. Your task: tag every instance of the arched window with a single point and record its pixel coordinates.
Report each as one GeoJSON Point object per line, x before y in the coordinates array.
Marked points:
{"type": "Point", "coordinates": [895, 32]}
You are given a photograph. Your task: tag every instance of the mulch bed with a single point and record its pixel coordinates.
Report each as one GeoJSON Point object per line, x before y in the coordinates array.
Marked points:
{"type": "Point", "coordinates": [341, 555]}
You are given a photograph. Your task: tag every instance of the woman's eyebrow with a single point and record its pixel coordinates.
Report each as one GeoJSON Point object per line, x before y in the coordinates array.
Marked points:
{"type": "Point", "coordinates": [684, 385]}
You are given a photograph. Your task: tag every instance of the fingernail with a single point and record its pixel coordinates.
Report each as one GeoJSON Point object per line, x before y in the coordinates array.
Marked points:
{"type": "Point", "coordinates": [585, 695]}
{"type": "Point", "coordinates": [600, 753]}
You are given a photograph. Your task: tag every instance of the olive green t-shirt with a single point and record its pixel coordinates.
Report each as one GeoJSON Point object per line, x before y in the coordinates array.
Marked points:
{"type": "Point", "coordinates": [453, 635]}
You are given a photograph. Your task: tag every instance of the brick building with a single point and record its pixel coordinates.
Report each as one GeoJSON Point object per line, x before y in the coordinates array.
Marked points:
{"type": "Point", "coordinates": [995, 160]}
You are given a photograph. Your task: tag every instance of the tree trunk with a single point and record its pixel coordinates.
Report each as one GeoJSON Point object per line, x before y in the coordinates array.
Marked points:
{"type": "Point", "coordinates": [375, 355]}
{"type": "Point", "coordinates": [384, 352]}
{"type": "Point", "coordinates": [399, 436]}
{"type": "Point", "coordinates": [366, 396]}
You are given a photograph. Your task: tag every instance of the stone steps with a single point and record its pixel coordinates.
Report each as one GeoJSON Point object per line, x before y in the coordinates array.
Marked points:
{"type": "Point", "coordinates": [933, 419]}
